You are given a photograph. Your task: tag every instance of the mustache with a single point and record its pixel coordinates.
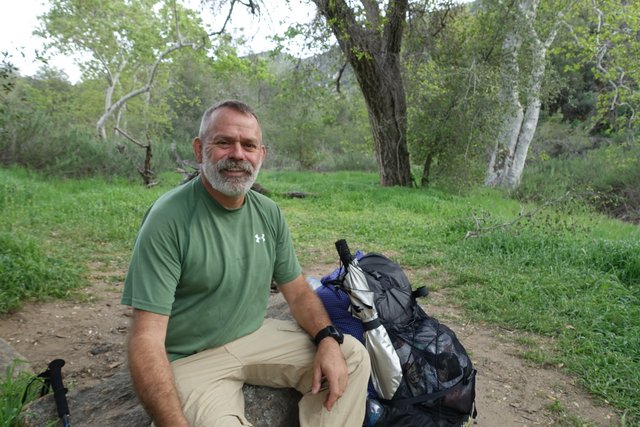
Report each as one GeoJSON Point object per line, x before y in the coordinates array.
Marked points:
{"type": "Point", "coordinates": [227, 164]}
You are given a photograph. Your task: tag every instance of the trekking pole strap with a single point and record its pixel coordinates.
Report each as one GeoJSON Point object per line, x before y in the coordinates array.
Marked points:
{"type": "Point", "coordinates": [372, 324]}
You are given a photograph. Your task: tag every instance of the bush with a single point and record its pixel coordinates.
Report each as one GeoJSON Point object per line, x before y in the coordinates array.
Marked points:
{"type": "Point", "coordinates": [605, 178]}
{"type": "Point", "coordinates": [36, 143]}
{"type": "Point", "coordinates": [26, 272]}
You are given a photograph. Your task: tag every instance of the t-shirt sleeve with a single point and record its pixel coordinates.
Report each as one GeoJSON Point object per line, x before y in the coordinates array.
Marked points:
{"type": "Point", "coordinates": [287, 266]}
{"type": "Point", "coordinates": [154, 270]}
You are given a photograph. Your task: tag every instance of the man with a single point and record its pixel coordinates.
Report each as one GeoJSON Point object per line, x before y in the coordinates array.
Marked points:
{"type": "Point", "coordinates": [199, 282]}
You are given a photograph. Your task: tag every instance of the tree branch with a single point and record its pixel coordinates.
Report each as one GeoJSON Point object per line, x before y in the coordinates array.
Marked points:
{"type": "Point", "coordinates": [342, 68]}
{"type": "Point", "coordinates": [130, 138]}
{"type": "Point", "coordinates": [478, 230]}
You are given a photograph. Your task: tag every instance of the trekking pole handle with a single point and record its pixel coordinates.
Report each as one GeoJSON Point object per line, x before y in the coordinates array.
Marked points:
{"type": "Point", "coordinates": [343, 252]}
{"type": "Point", "coordinates": [59, 392]}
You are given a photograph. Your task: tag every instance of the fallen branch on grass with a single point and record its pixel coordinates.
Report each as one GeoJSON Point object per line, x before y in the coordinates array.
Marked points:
{"type": "Point", "coordinates": [479, 230]}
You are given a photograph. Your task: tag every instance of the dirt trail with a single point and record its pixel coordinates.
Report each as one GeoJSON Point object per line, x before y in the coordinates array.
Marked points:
{"type": "Point", "coordinates": [90, 336]}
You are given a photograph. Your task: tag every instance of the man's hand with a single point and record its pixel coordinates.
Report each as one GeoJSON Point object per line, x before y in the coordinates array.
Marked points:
{"type": "Point", "coordinates": [329, 364]}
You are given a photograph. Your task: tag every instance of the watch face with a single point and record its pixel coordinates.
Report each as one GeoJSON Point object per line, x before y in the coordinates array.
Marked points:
{"type": "Point", "coordinates": [329, 331]}
{"type": "Point", "coordinates": [336, 334]}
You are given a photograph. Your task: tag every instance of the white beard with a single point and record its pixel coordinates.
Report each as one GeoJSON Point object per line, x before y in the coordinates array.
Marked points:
{"type": "Point", "coordinates": [229, 186]}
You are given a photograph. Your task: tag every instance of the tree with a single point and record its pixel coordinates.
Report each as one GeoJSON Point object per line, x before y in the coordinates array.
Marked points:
{"type": "Point", "coordinates": [449, 88]}
{"type": "Point", "coordinates": [527, 38]}
{"type": "Point", "coordinates": [201, 81]}
{"type": "Point", "coordinates": [124, 43]}
{"type": "Point", "coordinates": [311, 123]}
{"type": "Point", "coordinates": [371, 40]}
{"type": "Point", "coordinates": [613, 45]}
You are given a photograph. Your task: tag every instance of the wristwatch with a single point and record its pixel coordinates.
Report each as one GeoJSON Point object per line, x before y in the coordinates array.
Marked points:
{"type": "Point", "coordinates": [329, 331]}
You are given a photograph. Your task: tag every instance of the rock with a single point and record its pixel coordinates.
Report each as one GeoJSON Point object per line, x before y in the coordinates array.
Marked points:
{"type": "Point", "coordinates": [114, 403]}
{"type": "Point", "coordinates": [11, 359]}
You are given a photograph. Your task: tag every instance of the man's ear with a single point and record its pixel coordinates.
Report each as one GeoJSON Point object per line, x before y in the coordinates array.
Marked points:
{"type": "Point", "coordinates": [197, 149]}
{"type": "Point", "coordinates": [264, 151]}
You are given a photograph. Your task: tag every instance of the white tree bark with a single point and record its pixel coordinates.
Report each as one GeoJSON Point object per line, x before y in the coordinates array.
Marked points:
{"type": "Point", "coordinates": [114, 80]}
{"type": "Point", "coordinates": [509, 155]}
{"type": "Point", "coordinates": [113, 107]}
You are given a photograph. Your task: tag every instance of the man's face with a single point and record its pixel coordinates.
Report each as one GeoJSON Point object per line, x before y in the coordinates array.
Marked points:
{"type": "Point", "coordinates": [233, 152]}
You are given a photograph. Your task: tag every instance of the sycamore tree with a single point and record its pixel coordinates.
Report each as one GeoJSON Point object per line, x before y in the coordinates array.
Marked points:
{"type": "Point", "coordinates": [611, 43]}
{"type": "Point", "coordinates": [607, 34]}
{"type": "Point", "coordinates": [123, 43]}
{"type": "Point", "coordinates": [526, 30]}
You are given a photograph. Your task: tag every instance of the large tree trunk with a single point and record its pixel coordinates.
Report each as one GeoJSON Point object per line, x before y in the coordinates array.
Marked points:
{"type": "Point", "coordinates": [373, 51]}
{"type": "Point", "coordinates": [383, 92]}
{"type": "Point", "coordinates": [510, 152]}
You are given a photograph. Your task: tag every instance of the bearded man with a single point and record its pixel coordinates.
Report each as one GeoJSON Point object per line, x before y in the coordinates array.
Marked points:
{"type": "Point", "coordinates": [199, 282]}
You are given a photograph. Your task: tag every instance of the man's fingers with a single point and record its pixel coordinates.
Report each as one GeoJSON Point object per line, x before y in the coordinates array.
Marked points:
{"type": "Point", "coordinates": [335, 392]}
{"type": "Point", "coordinates": [332, 398]}
{"type": "Point", "coordinates": [330, 402]}
{"type": "Point", "coordinates": [316, 380]}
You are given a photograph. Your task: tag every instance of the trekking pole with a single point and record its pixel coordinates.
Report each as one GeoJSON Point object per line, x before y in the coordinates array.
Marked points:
{"type": "Point", "coordinates": [344, 253]}
{"type": "Point", "coordinates": [59, 392]}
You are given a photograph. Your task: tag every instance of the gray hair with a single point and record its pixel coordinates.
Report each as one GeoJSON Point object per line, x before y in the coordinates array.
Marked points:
{"type": "Point", "coordinates": [229, 103]}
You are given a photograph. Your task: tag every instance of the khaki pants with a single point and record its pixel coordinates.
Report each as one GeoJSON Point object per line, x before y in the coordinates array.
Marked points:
{"type": "Point", "coordinates": [279, 354]}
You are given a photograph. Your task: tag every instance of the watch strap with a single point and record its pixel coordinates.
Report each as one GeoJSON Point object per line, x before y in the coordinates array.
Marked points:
{"type": "Point", "coordinates": [329, 331]}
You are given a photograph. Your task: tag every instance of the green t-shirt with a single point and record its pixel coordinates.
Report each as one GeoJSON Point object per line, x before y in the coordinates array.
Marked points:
{"type": "Point", "coordinates": [208, 268]}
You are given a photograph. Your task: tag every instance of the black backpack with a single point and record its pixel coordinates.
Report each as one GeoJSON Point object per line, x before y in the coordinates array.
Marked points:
{"type": "Point", "coordinates": [438, 384]}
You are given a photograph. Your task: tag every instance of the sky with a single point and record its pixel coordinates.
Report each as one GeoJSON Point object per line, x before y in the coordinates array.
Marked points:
{"type": "Point", "coordinates": [19, 18]}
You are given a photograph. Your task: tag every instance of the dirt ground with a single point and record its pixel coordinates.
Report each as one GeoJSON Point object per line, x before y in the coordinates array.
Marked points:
{"type": "Point", "coordinates": [90, 333]}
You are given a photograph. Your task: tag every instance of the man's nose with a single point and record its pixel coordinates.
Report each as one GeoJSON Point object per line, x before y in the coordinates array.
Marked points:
{"type": "Point", "coordinates": [236, 151]}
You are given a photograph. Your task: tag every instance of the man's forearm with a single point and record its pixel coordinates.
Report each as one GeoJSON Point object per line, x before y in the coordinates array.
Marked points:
{"type": "Point", "coordinates": [153, 381]}
{"type": "Point", "coordinates": [151, 372]}
{"type": "Point", "coordinates": [309, 312]}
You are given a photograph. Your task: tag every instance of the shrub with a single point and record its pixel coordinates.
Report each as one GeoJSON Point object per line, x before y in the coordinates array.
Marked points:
{"type": "Point", "coordinates": [26, 272]}
{"type": "Point", "coordinates": [605, 178]}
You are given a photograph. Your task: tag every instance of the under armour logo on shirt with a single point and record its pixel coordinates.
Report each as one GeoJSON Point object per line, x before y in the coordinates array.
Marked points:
{"type": "Point", "coordinates": [259, 238]}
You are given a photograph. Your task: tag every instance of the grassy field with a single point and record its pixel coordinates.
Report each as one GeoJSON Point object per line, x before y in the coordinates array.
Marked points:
{"type": "Point", "coordinates": [566, 274]}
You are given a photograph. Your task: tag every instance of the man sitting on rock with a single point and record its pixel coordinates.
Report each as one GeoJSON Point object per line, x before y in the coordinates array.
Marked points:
{"type": "Point", "coordinates": [199, 283]}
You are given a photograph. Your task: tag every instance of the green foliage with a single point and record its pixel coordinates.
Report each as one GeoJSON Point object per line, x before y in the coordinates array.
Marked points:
{"type": "Point", "coordinates": [50, 228]}
{"type": "Point", "coordinates": [30, 266]}
{"type": "Point", "coordinates": [26, 273]}
{"type": "Point", "coordinates": [600, 172]}
{"type": "Point", "coordinates": [580, 289]}
{"type": "Point", "coordinates": [568, 275]}
{"type": "Point", "coordinates": [449, 86]}
{"type": "Point", "coordinates": [12, 391]}
{"type": "Point", "coordinates": [34, 141]}
{"type": "Point", "coordinates": [451, 58]}
{"type": "Point", "coordinates": [126, 45]}
{"type": "Point", "coordinates": [8, 74]}
{"type": "Point", "coordinates": [608, 42]}
{"type": "Point", "coordinates": [308, 125]}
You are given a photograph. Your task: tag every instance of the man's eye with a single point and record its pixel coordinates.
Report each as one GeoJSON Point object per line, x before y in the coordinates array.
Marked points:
{"type": "Point", "coordinates": [222, 143]}
{"type": "Point", "coordinates": [250, 147]}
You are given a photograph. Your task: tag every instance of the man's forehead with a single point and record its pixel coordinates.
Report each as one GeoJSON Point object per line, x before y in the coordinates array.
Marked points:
{"type": "Point", "coordinates": [229, 122]}
{"type": "Point", "coordinates": [229, 113]}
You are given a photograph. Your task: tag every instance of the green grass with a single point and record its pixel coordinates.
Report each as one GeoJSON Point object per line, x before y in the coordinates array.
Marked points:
{"type": "Point", "coordinates": [570, 276]}
{"type": "Point", "coordinates": [14, 387]}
